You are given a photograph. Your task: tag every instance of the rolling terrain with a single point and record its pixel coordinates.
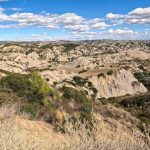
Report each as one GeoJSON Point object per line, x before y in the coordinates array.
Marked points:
{"type": "Point", "coordinates": [99, 85]}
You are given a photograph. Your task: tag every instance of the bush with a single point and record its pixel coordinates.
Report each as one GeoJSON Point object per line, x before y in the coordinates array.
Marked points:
{"type": "Point", "coordinates": [71, 93]}
{"type": "Point", "coordinates": [91, 87]}
{"type": "Point", "coordinates": [144, 118]}
{"type": "Point", "coordinates": [101, 75]}
{"type": "Point", "coordinates": [126, 67]}
{"type": "Point", "coordinates": [39, 88]}
{"type": "Point", "coordinates": [144, 77]}
{"type": "Point", "coordinates": [79, 81]}
{"type": "Point", "coordinates": [16, 82]}
{"type": "Point", "coordinates": [110, 72]}
{"type": "Point", "coordinates": [142, 68]}
{"type": "Point", "coordinates": [87, 107]}
{"type": "Point", "coordinates": [7, 97]}
{"type": "Point", "coordinates": [132, 102]}
{"type": "Point", "coordinates": [31, 86]}
{"type": "Point", "coordinates": [103, 100]}
{"type": "Point", "coordinates": [46, 46]}
{"type": "Point", "coordinates": [82, 71]}
{"type": "Point", "coordinates": [69, 46]}
{"type": "Point", "coordinates": [31, 110]}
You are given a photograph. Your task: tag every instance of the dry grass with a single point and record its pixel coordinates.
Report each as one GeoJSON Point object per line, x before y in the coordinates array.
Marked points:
{"type": "Point", "coordinates": [19, 133]}
{"type": "Point", "coordinates": [104, 137]}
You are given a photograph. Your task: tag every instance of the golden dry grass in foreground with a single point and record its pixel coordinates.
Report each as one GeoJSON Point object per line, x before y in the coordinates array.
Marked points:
{"type": "Point", "coordinates": [19, 133]}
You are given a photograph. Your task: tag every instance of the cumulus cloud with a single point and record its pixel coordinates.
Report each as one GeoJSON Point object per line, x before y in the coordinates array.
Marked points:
{"type": "Point", "coordinates": [116, 19]}
{"type": "Point", "coordinates": [121, 31]}
{"type": "Point", "coordinates": [69, 21]}
{"type": "Point", "coordinates": [100, 25]}
{"type": "Point", "coordinates": [79, 28]}
{"type": "Point", "coordinates": [76, 25]}
{"type": "Point", "coordinates": [114, 16]}
{"type": "Point", "coordinates": [139, 15]}
{"type": "Point", "coordinates": [136, 16]}
{"type": "Point", "coordinates": [70, 18]}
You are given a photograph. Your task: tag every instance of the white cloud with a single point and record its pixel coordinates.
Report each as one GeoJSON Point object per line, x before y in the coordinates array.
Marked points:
{"type": "Point", "coordinates": [136, 16]}
{"type": "Point", "coordinates": [140, 11]}
{"type": "Point", "coordinates": [78, 26]}
{"type": "Point", "coordinates": [15, 9]}
{"type": "Point", "coordinates": [139, 15]}
{"type": "Point", "coordinates": [114, 16]}
{"type": "Point", "coordinates": [121, 31]}
{"type": "Point", "coordinates": [70, 19]}
{"type": "Point", "coordinates": [99, 25]}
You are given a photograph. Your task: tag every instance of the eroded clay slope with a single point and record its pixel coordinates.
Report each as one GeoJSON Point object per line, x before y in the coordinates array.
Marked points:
{"type": "Point", "coordinates": [120, 82]}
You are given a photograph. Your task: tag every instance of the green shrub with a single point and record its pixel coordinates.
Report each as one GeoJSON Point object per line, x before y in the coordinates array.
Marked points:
{"type": "Point", "coordinates": [70, 82]}
{"type": "Point", "coordinates": [39, 88]}
{"type": "Point", "coordinates": [31, 110]}
{"type": "Point", "coordinates": [46, 46]}
{"type": "Point", "coordinates": [103, 100]}
{"type": "Point", "coordinates": [94, 90]}
{"type": "Point", "coordinates": [144, 77]}
{"type": "Point", "coordinates": [31, 86]}
{"type": "Point", "coordinates": [90, 84]}
{"type": "Point", "coordinates": [78, 66]}
{"type": "Point", "coordinates": [110, 72]}
{"type": "Point", "coordinates": [17, 82]}
{"type": "Point", "coordinates": [142, 68]}
{"type": "Point", "coordinates": [132, 102]}
{"type": "Point", "coordinates": [126, 67]}
{"type": "Point", "coordinates": [101, 75]}
{"type": "Point", "coordinates": [87, 117]}
{"type": "Point", "coordinates": [86, 107]}
{"type": "Point", "coordinates": [71, 93]}
{"type": "Point", "coordinates": [8, 97]}
{"type": "Point", "coordinates": [69, 46]}
{"type": "Point", "coordinates": [91, 87]}
{"type": "Point", "coordinates": [82, 71]}
{"type": "Point", "coordinates": [144, 118]}
{"type": "Point", "coordinates": [79, 81]}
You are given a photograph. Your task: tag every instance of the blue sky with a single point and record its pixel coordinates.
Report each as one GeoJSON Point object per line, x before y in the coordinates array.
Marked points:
{"type": "Point", "coordinates": [74, 19]}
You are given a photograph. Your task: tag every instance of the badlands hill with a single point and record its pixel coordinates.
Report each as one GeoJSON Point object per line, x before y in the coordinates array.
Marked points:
{"type": "Point", "coordinates": [108, 65]}
{"type": "Point", "coordinates": [81, 95]}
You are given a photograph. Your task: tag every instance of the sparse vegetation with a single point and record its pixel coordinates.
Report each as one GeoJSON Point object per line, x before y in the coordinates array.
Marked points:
{"type": "Point", "coordinates": [101, 75]}
{"type": "Point", "coordinates": [70, 46]}
{"type": "Point", "coordinates": [17, 132]}
{"type": "Point", "coordinates": [79, 81]}
{"type": "Point", "coordinates": [138, 106]}
{"type": "Point", "coordinates": [144, 77]}
{"type": "Point", "coordinates": [87, 107]}
{"type": "Point", "coordinates": [68, 115]}
{"type": "Point", "coordinates": [82, 71]}
{"type": "Point", "coordinates": [71, 93]}
{"type": "Point", "coordinates": [46, 46]}
{"type": "Point", "coordinates": [110, 72]}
